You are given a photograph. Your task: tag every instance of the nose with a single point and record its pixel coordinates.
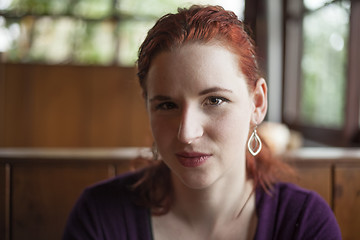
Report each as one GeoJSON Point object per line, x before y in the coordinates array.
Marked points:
{"type": "Point", "coordinates": [190, 126]}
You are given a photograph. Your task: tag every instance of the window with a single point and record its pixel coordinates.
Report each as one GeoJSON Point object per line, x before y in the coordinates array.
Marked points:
{"type": "Point", "coordinates": [323, 63]}
{"type": "Point", "coordinates": [103, 32]}
{"type": "Point", "coordinates": [321, 86]}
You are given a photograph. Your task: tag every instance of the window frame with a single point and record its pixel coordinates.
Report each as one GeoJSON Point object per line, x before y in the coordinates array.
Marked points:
{"type": "Point", "coordinates": [348, 135]}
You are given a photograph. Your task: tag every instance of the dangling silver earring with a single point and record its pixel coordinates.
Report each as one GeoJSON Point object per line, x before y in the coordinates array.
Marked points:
{"type": "Point", "coordinates": [254, 143]}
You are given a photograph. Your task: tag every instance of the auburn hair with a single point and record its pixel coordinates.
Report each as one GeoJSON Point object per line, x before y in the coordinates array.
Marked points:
{"type": "Point", "coordinates": [200, 24]}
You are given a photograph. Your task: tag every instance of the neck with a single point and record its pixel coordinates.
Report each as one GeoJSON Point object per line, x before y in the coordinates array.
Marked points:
{"type": "Point", "coordinates": [218, 204]}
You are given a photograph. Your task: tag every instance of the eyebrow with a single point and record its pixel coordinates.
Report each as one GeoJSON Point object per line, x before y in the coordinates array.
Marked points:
{"type": "Point", "coordinates": [214, 89]}
{"type": "Point", "coordinates": [160, 98]}
{"type": "Point", "coordinates": [204, 92]}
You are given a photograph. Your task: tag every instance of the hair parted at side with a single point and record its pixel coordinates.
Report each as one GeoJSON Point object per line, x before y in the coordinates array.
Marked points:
{"type": "Point", "coordinates": [200, 24]}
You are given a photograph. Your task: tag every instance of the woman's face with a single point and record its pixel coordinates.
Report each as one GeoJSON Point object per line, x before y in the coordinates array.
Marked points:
{"type": "Point", "coordinates": [200, 111]}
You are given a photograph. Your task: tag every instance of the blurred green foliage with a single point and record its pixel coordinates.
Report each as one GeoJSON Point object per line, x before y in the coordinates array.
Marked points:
{"type": "Point", "coordinates": [101, 32]}
{"type": "Point", "coordinates": [324, 65]}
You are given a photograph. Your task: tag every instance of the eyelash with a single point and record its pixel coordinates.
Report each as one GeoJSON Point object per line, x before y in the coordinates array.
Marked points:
{"type": "Point", "coordinates": [166, 106]}
{"type": "Point", "coordinates": [222, 99]}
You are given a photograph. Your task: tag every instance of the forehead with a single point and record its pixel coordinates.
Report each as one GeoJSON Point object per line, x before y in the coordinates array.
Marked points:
{"type": "Point", "coordinates": [195, 63]}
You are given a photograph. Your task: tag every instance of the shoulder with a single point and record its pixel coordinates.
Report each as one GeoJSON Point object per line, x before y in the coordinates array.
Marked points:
{"type": "Point", "coordinates": [109, 208]}
{"type": "Point", "coordinates": [291, 195]}
{"type": "Point", "coordinates": [117, 187]}
{"type": "Point", "coordinates": [289, 211]}
{"type": "Point", "coordinates": [283, 196]}
{"type": "Point", "coordinates": [113, 198]}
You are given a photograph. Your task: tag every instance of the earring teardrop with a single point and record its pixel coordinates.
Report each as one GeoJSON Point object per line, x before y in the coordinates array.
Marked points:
{"type": "Point", "coordinates": [254, 143]}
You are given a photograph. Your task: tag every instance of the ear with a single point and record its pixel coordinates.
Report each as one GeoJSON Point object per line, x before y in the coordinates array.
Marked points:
{"type": "Point", "coordinates": [259, 101]}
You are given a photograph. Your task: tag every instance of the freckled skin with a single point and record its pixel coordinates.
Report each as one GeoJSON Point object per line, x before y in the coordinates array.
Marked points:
{"type": "Point", "coordinates": [198, 101]}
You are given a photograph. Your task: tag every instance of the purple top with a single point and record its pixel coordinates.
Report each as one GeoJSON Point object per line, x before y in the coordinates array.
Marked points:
{"type": "Point", "coordinates": [108, 211]}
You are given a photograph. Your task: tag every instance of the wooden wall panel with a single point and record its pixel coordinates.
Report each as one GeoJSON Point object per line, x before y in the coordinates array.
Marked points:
{"type": "Point", "coordinates": [59, 106]}
{"type": "Point", "coordinates": [316, 178]}
{"type": "Point", "coordinates": [347, 200]}
{"type": "Point", "coordinates": [43, 195]}
{"type": "Point", "coordinates": [115, 102]}
{"type": "Point", "coordinates": [44, 106]}
{"type": "Point", "coordinates": [16, 120]}
{"type": "Point", "coordinates": [3, 204]}
{"type": "Point", "coordinates": [72, 106]}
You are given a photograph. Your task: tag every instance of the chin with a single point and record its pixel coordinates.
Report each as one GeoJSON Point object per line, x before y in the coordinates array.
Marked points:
{"type": "Point", "coordinates": [195, 181]}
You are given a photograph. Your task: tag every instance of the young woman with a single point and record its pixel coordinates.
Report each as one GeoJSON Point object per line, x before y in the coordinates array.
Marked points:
{"type": "Point", "coordinates": [213, 177]}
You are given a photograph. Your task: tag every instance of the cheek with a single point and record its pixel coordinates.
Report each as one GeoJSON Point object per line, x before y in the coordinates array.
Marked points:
{"type": "Point", "coordinates": [232, 127]}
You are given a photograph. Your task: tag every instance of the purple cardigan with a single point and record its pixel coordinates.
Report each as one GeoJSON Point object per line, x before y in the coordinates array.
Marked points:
{"type": "Point", "coordinates": [108, 211]}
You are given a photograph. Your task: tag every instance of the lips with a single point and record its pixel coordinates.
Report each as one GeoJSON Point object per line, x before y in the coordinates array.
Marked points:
{"type": "Point", "coordinates": [192, 159]}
